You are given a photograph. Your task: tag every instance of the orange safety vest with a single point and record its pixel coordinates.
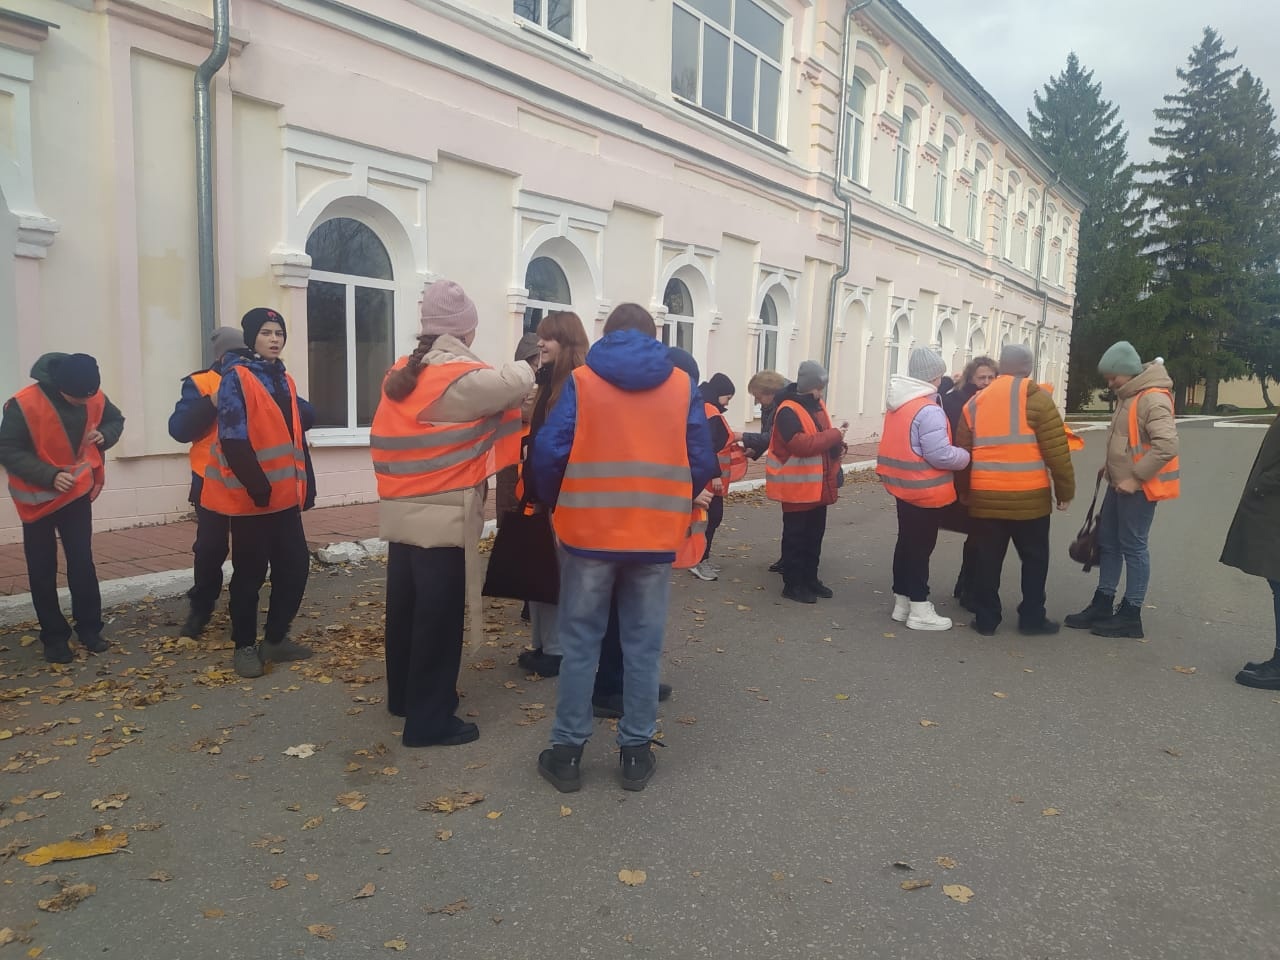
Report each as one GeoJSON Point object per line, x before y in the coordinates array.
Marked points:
{"type": "Point", "coordinates": [733, 459]}
{"type": "Point", "coordinates": [53, 446]}
{"type": "Point", "coordinates": [906, 474]}
{"type": "Point", "coordinates": [1074, 440]}
{"type": "Point", "coordinates": [279, 454]}
{"type": "Point", "coordinates": [1166, 484]}
{"type": "Point", "coordinates": [789, 479]}
{"type": "Point", "coordinates": [1006, 454]}
{"type": "Point", "coordinates": [201, 452]}
{"type": "Point", "coordinates": [416, 459]}
{"type": "Point", "coordinates": [627, 486]}
{"type": "Point", "coordinates": [694, 546]}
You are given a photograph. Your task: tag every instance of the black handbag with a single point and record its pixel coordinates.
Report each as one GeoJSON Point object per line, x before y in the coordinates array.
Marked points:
{"type": "Point", "coordinates": [1084, 548]}
{"type": "Point", "coordinates": [523, 563]}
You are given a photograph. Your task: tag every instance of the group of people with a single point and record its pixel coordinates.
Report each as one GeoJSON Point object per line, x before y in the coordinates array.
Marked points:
{"type": "Point", "coordinates": [631, 456]}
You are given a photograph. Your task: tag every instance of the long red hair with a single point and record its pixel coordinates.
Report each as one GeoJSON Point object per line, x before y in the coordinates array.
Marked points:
{"type": "Point", "coordinates": [565, 328]}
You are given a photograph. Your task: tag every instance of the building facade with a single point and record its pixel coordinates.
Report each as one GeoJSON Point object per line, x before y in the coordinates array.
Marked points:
{"type": "Point", "coordinates": [546, 154]}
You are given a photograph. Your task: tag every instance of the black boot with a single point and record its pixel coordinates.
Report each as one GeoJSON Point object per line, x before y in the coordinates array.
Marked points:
{"type": "Point", "coordinates": [561, 766]}
{"type": "Point", "coordinates": [1127, 622]}
{"type": "Point", "coordinates": [58, 651]}
{"type": "Point", "coordinates": [638, 764]}
{"type": "Point", "coordinates": [1099, 608]}
{"type": "Point", "coordinates": [799, 593]}
{"type": "Point", "coordinates": [1264, 676]}
{"type": "Point", "coordinates": [195, 623]}
{"type": "Point", "coordinates": [543, 664]}
{"type": "Point", "coordinates": [820, 589]}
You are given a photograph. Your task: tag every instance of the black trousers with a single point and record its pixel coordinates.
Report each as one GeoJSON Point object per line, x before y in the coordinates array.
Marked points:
{"type": "Point", "coordinates": [715, 515]}
{"type": "Point", "coordinates": [917, 536]}
{"type": "Point", "coordinates": [213, 532]}
{"type": "Point", "coordinates": [73, 524]}
{"type": "Point", "coordinates": [802, 533]}
{"type": "Point", "coordinates": [276, 540]}
{"type": "Point", "coordinates": [956, 519]}
{"type": "Point", "coordinates": [426, 603]}
{"type": "Point", "coordinates": [1031, 540]}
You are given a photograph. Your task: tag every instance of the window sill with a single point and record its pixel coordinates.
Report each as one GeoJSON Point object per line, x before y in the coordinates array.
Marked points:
{"type": "Point", "coordinates": [338, 437]}
{"type": "Point", "coordinates": [726, 122]}
{"type": "Point", "coordinates": [858, 185]}
{"type": "Point", "coordinates": [553, 38]}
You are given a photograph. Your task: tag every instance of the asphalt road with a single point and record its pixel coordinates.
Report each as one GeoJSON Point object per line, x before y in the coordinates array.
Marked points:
{"type": "Point", "coordinates": [1097, 798]}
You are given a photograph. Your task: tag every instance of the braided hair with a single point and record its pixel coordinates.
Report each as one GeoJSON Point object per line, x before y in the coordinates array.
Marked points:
{"type": "Point", "coordinates": [399, 383]}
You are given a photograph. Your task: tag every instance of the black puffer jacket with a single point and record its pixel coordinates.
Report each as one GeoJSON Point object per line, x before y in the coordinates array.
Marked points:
{"type": "Point", "coordinates": [1255, 530]}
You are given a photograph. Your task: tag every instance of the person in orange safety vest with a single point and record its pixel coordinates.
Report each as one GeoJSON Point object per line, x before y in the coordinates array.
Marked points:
{"type": "Point", "coordinates": [716, 394]}
{"type": "Point", "coordinates": [622, 457]}
{"type": "Point", "coordinates": [803, 473]}
{"type": "Point", "coordinates": [446, 422]}
{"type": "Point", "coordinates": [916, 462]}
{"type": "Point", "coordinates": [1020, 465]}
{"type": "Point", "coordinates": [1141, 469]}
{"type": "Point", "coordinates": [52, 439]}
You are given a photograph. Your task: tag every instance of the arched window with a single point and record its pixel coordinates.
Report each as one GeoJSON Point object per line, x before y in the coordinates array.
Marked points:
{"type": "Point", "coordinates": [977, 343]}
{"type": "Point", "coordinates": [350, 322]}
{"type": "Point", "coordinates": [855, 130]}
{"type": "Point", "coordinates": [903, 168]}
{"type": "Point", "coordinates": [767, 351]}
{"type": "Point", "coordinates": [942, 186]}
{"type": "Point", "coordinates": [548, 291]}
{"type": "Point", "coordinates": [1062, 259]}
{"type": "Point", "coordinates": [1023, 254]}
{"type": "Point", "coordinates": [977, 190]}
{"type": "Point", "coordinates": [897, 341]}
{"type": "Point", "coordinates": [1006, 223]}
{"type": "Point", "coordinates": [678, 330]}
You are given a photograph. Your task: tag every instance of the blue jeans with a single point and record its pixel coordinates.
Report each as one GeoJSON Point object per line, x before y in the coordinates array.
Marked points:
{"type": "Point", "coordinates": [1123, 526]}
{"type": "Point", "coordinates": [587, 587]}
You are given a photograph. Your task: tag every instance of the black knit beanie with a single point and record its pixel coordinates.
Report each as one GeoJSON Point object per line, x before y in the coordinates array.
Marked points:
{"type": "Point", "coordinates": [252, 322]}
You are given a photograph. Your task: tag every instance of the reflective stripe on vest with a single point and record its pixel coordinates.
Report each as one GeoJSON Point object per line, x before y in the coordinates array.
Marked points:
{"type": "Point", "coordinates": [791, 479]}
{"type": "Point", "coordinates": [51, 444]}
{"type": "Point", "coordinates": [906, 474]}
{"type": "Point", "coordinates": [416, 459]}
{"type": "Point", "coordinates": [732, 457]}
{"type": "Point", "coordinates": [207, 382]}
{"type": "Point", "coordinates": [1167, 484]}
{"type": "Point", "coordinates": [279, 454]}
{"type": "Point", "coordinates": [1006, 453]}
{"type": "Point", "coordinates": [640, 504]}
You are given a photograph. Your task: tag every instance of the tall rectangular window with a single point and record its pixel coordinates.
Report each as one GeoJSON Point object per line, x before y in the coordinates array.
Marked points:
{"type": "Point", "coordinates": [726, 56]}
{"type": "Point", "coordinates": [903, 167]}
{"type": "Point", "coordinates": [976, 191]}
{"type": "Point", "coordinates": [942, 186]}
{"type": "Point", "coordinates": [553, 15]}
{"type": "Point", "coordinates": [855, 120]}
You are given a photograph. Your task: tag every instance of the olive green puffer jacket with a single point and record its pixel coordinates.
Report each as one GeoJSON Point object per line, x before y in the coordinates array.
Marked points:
{"type": "Point", "coordinates": [1043, 418]}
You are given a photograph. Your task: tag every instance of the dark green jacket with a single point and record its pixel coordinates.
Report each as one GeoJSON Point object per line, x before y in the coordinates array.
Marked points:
{"type": "Point", "coordinates": [17, 452]}
{"type": "Point", "coordinates": [1255, 531]}
{"type": "Point", "coordinates": [1043, 418]}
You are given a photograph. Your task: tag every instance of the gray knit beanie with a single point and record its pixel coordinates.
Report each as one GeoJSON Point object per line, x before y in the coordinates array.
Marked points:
{"type": "Point", "coordinates": [1016, 361]}
{"type": "Point", "coordinates": [224, 339]}
{"type": "Point", "coordinates": [811, 376]}
{"type": "Point", "coordinates": [924, 364]}
{"type": "Point", "coordinates": [1120, 359]}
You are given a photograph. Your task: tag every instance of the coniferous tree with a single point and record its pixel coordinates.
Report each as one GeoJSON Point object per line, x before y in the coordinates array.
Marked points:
{"type": "Point", "coordinates": [1079, 134]}
{"type": "Point", "coordinates": [1212, 205]}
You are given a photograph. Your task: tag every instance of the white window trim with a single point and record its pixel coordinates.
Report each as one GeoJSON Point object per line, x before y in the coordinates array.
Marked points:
{"type": "Point", "coordinates": [861, 161]}
{"type": "Point", "coordinates": [574, 44]}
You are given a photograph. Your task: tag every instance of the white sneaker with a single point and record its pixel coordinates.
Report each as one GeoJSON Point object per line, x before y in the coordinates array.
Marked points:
{"type": "Point", "coordinates": [901, 608]}
{"type": "Point", "coordinates": [924, 617]}
{"type": "Point", "coordinates": [703, 571]}
{"type": "Point", "coordinates": [715, 567]}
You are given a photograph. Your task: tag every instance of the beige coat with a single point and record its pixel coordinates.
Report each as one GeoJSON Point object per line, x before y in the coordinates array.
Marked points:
{"type": "Point", "coordinates": [456, 518]}
{"type": "Point", "coordinates": [1156, 426]}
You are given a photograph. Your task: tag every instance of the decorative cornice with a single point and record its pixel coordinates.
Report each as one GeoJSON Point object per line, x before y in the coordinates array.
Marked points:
{"type": "Point", "coordinates": [171, 20]}
{"type": "Point", "coordinates": [35, 236]}
{"type": "Point", "coordinates": [22, 33]}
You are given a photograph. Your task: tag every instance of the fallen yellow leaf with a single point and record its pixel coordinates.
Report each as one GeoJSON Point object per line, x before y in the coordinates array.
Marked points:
{"type": "Point", "coordinates": [1002, 696]}
{"type": "Point", "coordinates": [443, 834]}
{"type": "Point", "coordinates": [1187, 670]}
{"type": "Point", "coordinates": [946, 863]}
{"type": "Point", "coordinates": [1049, 812]}
{"type": "Point", "coordinates": [214, 914]}
{"type": "Point", "coordinates": [313, 823]}
{"type": "Point", "coordinates": [493, 815]}
{"type": "Point", "coordinates": [368, 890]}
{"type": "Point", "coordinates": [5, 734]}
{"type": "Point", "coordinates": [915, 884]}
{"type": "Point", "coordinates": [842, 696]}
{"type": "Point", "coordinates": [565, 811]}
{"type": "Point", "coordinates": [928, 723]}
{"type": "Point", "coordinates": [632, 878]}
{"type": "Point", "coordinates": [321, 930]}
{"type": "Point", "coordinates": [76, 849]}
{"type": "Point", "coordinates": [958, 892]}
{"type": "Point", "coordinates": [279, 883]}
{"type": "Point", "coordinates": [69, 898]}
{"type": "Point", "coordinates": [396, 945]}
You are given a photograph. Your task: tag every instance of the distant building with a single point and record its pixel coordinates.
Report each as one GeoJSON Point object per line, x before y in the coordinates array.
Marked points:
{"type": "Point", "coordinates": [547, 154]}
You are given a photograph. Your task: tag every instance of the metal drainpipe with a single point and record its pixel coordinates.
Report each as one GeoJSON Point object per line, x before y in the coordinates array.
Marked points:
{"type": "Point", "coordinates": [1044, 294]}
{"type": "Point", "coordinates": [204, 171]}
{"type": "Point", "coordinates": [838, 186]}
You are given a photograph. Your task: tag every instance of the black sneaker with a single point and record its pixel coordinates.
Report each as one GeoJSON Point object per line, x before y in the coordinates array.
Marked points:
{"type": "Point", "coordinates": [821, 590]}
{"type": "Point", "coordinates": [1265, 677]}
{"type": "Point", "coordinates": [1125, 623]}
{"type": "Point", "coordinates": [456, 733]}
{"type": "Point", "coordinates": [94, 643]}
{"type": "Point", "coordinates": [800, 594]}
{"type": "Point", "coordinates": [610, 707]}
{"type": "Point", "coordinates": [543, 664]}
{"type": "Point", "coordinates": [984, 630]}
{"type": "Point", "coordinates": [775, 567]}
{"type": "Point", "coordinates": [194, 625]}
{"type": "Point", "coordinates": [1253, 666]}
{"type": "Point", "coordinates": [58, 651]}
{"type": "Point", "coordinates": [1100, 608]}
{"type": "Point", "coordinates": [638, 764]}
{"type": "Point", "coordinates": [248, 662]}
{"type": "Point", "coordinates": [561, 766]}
{"type": "Point", "coordinates": [1045, 628]}
{"type": "Point", "coordinates": [284, 650]}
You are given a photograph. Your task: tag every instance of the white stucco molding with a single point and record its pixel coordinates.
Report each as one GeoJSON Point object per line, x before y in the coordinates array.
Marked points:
{"type": "Point", "coordinates": [291, 268]}
{"type": "Point", "coordinates": [20, 40]}
{"type": "Point", "coordinates": [572, 235]}
{"type": "Point", "coordinates": [694, 266]}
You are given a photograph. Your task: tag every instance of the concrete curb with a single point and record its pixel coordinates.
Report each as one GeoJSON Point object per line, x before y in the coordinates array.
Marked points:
{"type": "Point", "coordinates": [174, 583]}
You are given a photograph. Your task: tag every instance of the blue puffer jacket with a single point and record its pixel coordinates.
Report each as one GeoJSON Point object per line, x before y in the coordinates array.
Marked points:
{"type": "Point", "coordinates": [631, 361]}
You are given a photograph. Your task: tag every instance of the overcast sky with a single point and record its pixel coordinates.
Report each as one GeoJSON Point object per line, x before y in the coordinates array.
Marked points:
{"type": "Point", "coordinates": [1133, 47]}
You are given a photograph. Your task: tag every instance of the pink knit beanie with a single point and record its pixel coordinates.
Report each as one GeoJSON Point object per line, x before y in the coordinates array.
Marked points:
{"type": "Point", "coordinates": [446, 309]}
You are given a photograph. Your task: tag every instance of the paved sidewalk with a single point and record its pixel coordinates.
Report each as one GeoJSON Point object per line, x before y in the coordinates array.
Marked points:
{"type": "Point", "coordinates": [138, 551]}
